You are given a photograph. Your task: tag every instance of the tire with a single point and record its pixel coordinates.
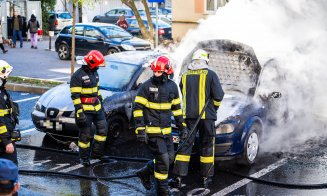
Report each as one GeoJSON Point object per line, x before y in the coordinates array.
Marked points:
{"type": "Point", "coordinates": [251, 146]}
{"type": "Point", "coordinates": [63, 52]}
{"type": "Point", "coordinates": [112, 51]}
{"type": "Point", "coordinates": [118, 127]}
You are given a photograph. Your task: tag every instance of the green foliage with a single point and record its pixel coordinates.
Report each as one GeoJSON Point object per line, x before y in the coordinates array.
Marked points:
{"type": "Point", "coordinates": [47, 6]}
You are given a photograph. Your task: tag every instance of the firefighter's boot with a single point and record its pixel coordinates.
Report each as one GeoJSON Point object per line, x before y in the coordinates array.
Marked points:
{"type": "Point", "coordinates": [162, 188]}
{"type": "Point", "coordinates": [206, 182]}
{"type": "Point", "coordinates": [175, 182]}
{"type": "Point", "coordinates": [85, 162]}
{"type": "Point", "coordinates": [145, 176]}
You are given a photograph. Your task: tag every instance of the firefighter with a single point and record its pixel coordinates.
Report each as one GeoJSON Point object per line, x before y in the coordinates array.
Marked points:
{"type": "Point", "coordinates": [85, 93]}
{"type": "Point", "coordinates": [156, 101]}
{"type": "Point", "coordinates": [8, 117]}
{"type": "Point", "coordinates": [198, 85]}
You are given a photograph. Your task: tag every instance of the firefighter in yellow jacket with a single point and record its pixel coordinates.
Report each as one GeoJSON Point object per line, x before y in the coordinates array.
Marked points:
{"type": "Point", "coordinates": [85, 93]}
{"type": "Point", "coordinates": [156, 101]}
{"type": "Point", "coordinates": [198, 85]}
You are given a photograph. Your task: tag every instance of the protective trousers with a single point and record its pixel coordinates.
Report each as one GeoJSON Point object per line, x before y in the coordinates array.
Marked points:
{"type": "Point", "coordinates": [163, 150]}
{"type": "Point", "coordinates": [207, 140]}
{"type": "Point", "coordinates": [100, 136]}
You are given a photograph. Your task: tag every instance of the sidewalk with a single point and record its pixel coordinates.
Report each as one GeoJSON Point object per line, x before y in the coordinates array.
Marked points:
{"type": "Point", "coordinates": [37, 63]}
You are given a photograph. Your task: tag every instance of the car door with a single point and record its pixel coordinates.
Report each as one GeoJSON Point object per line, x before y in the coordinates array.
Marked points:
{"type": "Point", "coordinates": [79, 40]}
{"type": "Point", "coordinates": [110, 17]}
{"type": "Point", "coordinates": [94, 40]}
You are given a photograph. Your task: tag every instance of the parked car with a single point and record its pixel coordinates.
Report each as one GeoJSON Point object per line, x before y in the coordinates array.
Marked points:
{"type": "Point", "coordinates": [58, 20]}
{"type": "Point", "coordinates": [242, 115]}
{"type": "Point", "coordinates": [112, 16]}
{"type": "Point", "coordinates": [163, 14]}
{"type": "Point", "coordinates": [106, 38]}
{"type": "Point", "coordinates": [164, 29]}
{"type": "Point", "coordinates": [119, 80]}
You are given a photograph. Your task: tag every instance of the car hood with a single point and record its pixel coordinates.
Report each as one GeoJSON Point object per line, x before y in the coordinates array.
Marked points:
{"type": "Point", "coordinates": [231, 105]}
{"type": "Point", "coordinates": [59, 97]}
{"type": "Point", "coordinates": [235, 63]}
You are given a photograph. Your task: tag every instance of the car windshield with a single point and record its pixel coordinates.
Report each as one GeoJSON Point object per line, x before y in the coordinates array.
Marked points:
{"type": "Point", "coordinates": [111, 75]}
{"type": "Point", "coordinates": [115, 32]}
{"type": "Point", "coordinates": [142, 12]}
{"type": "Point", "coordinates": [64, 16]}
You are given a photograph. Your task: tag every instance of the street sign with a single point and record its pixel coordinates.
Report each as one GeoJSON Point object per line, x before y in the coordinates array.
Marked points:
{"type": "Point", "coordinates": [156, 1]}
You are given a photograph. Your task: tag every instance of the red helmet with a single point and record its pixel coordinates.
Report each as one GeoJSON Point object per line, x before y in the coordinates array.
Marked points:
{"type": "Point", "coordinates": [94, 59]}
{"type": "Point", "coordinates": [162, 63]}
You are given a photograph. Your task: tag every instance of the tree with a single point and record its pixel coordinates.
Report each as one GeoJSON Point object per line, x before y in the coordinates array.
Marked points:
{"type": "Point", "coordinates": [46, 5]}
{"type": "Point", "coordinates": [147, 34]}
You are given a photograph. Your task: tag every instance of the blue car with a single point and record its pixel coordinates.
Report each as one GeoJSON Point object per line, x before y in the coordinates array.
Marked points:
{"type": "Point", "coordinates": [164, 29]}
{"type": "Point", "coordinates": [106, 38]}
{"type": "Point", "coordinates": [243, 114]}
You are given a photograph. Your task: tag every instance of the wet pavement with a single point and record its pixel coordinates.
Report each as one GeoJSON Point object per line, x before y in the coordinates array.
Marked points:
{"type": "Point", "coordinates": [306, 164]}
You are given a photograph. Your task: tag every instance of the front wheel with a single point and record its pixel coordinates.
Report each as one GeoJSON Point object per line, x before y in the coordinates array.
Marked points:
{"type": "Point", "coordinates": [118, 127]}
{"type": "Point", "coordinates": [112, 51]}
{"type": "Point", "coordinates": [251, 146]}
{"type": "Point", "coordinates": [63, 52]}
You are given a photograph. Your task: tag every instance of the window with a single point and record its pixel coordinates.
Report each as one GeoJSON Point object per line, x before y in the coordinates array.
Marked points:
{"type": "Point", "coordinates": [111, 12]}
{"type": "Point", "coordinates": [121, 12]}
{"type": "Point", "coordinates": [115, 32]}
{"type": "Point", "coordinates": [78, 30]}
{"type": "Point", "coordinates": [145, 75]}
{"type": "Point", "coordinates": [65, 15]}
{"type": "Point", "coordinates": [212, 5]}
{"type": "Point", "coordinates": [92, 32]}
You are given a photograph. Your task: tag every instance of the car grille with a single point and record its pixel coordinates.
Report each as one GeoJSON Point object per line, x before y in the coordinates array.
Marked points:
{"type": "Point", "coordinates": [142, 47]}
{"type": "Point", "coordinates": [52, 112]}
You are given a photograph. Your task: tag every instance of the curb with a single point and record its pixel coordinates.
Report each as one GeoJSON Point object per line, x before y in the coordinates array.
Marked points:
{"type": "Point", "coordinates": [26, 88]}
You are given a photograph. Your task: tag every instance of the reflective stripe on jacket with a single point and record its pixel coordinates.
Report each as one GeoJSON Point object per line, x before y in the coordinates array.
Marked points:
{"type": "Point", "coordinates": [85, 84]}
{"type": "Point", "coordinates": [154, 106]}
{"type": "Point", "coordinates": [197, 87]}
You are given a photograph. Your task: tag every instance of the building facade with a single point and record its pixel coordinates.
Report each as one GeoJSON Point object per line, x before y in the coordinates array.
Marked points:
{"type": "Point", "coordinates": [186, 16]}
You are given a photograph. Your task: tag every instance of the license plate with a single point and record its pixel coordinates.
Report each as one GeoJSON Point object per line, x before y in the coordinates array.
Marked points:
{"type": "Point", "coordinates": [176, 139]}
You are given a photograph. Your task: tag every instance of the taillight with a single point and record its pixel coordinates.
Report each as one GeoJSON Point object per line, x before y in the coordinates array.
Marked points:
{"type": "Point", "coordinates": [161, 31]}
{"type": "Point", "coordinates": [56, 23]}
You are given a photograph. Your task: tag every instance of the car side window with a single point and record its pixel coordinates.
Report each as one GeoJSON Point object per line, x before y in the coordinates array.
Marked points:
{"type": "Point", "coordinates": [79, 30]}
{"type": "Point", "coordinates": [92, 32]}
{"type": "Point", "coordinates": [121, 12]}
{"type": "Point", "coordinates": [111, 12]}
{"type": "Point", "coordinates": [145, 75]}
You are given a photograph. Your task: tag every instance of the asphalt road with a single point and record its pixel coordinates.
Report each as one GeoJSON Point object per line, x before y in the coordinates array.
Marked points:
{"type": "Point", "coordinates": [37, 63]}
{"type": "Point", "coordinates": [305, 165]}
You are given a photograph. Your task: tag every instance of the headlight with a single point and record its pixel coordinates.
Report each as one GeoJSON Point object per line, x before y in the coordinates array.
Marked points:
{"type": "Point", "coordinates": [38, 106]}
{"type": "Point", "coordinates": [225, 128]}
{"type": "Point", "coordinates": [127, 47]}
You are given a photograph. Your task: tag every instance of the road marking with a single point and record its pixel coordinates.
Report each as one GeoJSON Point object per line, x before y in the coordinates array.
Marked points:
{"type": "Point", "coordinates": [60, 166]}
{"type": "Point", "coordinates": [72, 168]}
{"type": "Point", "coordinates": [243, 182]}
{"type": "Point", "coordinates": [27, 131]}
{"type": "Point", "coordinates": [27, 99]}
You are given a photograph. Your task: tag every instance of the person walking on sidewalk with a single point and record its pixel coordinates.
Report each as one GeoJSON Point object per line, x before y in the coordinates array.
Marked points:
{"type": "Point", "coordinates": [1, 40]}
{"type": "Point", "coordinates": [156, 101]}
{"type": "Point", "coordinates": [198, 85]}
{"type": "Point", "coordinates": [17, 27]}
{"type": "Point", "coordinates": [33, 25]}
{"type": "Point", "coordinates": [87, 100]}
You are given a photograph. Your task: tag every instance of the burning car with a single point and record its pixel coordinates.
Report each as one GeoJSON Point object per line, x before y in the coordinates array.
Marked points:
{"type": "Point", "coordinates": [119, 80]}
{"type": "Point", "coordinates": [242, 115]}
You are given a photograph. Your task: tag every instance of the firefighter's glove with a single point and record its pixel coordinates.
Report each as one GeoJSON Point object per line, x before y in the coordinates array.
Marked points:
{"type": "Point", "coordinates": [183, 133]}
{"type": "Point", "coordinates": [81, 119]}
{"type": "Point", "coordinates": [141, 135]}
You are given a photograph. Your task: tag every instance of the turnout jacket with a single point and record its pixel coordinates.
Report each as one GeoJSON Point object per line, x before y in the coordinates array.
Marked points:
{"type": "Point", "coordinates": [154, 106]}
{"type": "Point", "coordinates": [85, 84]}
{"type": "Point", "coordinates": [7, 124]}
{"type": "Point", "coordinates": [197, 87]}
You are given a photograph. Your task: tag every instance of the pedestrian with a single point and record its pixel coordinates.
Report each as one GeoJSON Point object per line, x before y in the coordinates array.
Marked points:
{"type": "Point", "coordinates": [33, 25]}
{"type": "Point", "coordinates": [8, 117]}
{"type": "Point", "coordinates": [9, 184]}
{"type": "Point", "coordinates": [1, 40]}
{"type": "Point", "coordinates": [17, 26]}
{"type": "Point", "coordinates": [85, 93]}
{"type": "Point", "coordinates": [122, 22]}
{"type": "Point", "coordinates": [198, 85]}
{"type": "Point", "coordinates": [156, 101]}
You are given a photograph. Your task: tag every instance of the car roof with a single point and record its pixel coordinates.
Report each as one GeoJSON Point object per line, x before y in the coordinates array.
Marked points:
{"type": "Point", "coordinates": [132, 57]}
{"type": "Point", "coordinates": [95, 24]}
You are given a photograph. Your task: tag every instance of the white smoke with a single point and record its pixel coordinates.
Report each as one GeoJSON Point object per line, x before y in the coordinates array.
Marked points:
{"type": "Point", "coordinates": [294, 32]}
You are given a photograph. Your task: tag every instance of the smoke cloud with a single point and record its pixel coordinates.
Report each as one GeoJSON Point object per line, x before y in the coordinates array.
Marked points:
{"type": "Point", "coordinates": [294, 33]}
